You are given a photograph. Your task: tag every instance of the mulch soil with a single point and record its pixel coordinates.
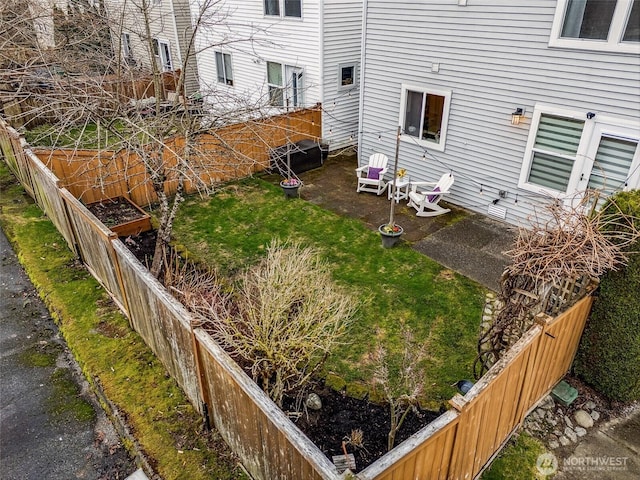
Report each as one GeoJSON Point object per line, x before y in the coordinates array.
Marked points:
{"type": "Point", "coordinates": [341, 414]}
{"type": "Point", "coordinates": [114, 211]}
{"type": "Point", "coordinates": [142, 246]}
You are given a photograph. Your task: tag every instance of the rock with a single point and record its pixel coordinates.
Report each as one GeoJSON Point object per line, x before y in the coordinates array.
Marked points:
{"type": "Point", "coordinates": [557, 433]}
{"type": "Point", "coordinates": [595, 415]}
{"type": "Point", "coordinates": [568, 421]}
{"type": "Point", "coordinates": [553, 444]}
{"type": "Point", "coordinates": [564, 441]}
{"type": "Point", "coordinates": [552, 421]}
{"type": "Point", "coordinates": [491, 295]}
{"type": "Point", "coordinates": [313, 402]}
{"type": "Point", "coordinates": [580, 432]}
{"type": "Point", "coordinates": [589, 405]}
{"type": "Point", "coordinates": [583, 419]}
{"type": "Point", "coordinates": [570, 434]}
{"type": "Point", "coordinates": [547, 403]}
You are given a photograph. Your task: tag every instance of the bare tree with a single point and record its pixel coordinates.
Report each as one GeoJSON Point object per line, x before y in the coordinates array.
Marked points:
{"type": "Point", "coordinates": [403, 384]}
{"type": "Point", "coordinates": [162, 132]}
{"type": "Point", "coordinates": [282, 320]}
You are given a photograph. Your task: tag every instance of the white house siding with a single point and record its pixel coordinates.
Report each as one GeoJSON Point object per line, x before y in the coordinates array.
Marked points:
{"type": "Point", "coordinates": [494, 57]}
{"type": "Point", "coordinates": [184, 34]}
{"type": "Point", "coordinates": [162, 26]}
{"type": "Point", "coordinates": [288, 41]}
{"type": "Point", "coordinates": [342, 38]}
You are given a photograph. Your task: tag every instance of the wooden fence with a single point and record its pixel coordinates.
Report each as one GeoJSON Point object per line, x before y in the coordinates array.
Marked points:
{"type": "Point", "coordinates": [224, 154]}
{"type": "Point", "coordinates": [457, 445]}
{"type": "Point", "coordinates": [35, 106]}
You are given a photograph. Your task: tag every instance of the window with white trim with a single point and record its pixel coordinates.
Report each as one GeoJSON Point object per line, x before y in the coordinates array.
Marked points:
{"type": "Point", "coordinates": [346, 75]}
{"type": "Point", "coordinates": [223, 68]}
{"type": "Point", "coordinates": [604, 25]}
{"type": "Point", "coordinates": [424, 115]}
{"type": "Point", "coordinates": [289, 8]}
{"type": "Point", "coordinates": [568, 153]}
{"type": "Point", "coordinates": [285, 84]}
{"type": "Point", "coordinates": [126, 45]}
{"type": "Point", "coordinates": [162, 51]}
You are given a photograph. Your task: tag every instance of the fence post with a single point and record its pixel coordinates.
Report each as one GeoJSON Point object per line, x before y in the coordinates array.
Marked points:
{"type": "Point", "coordinates": [204, 392]}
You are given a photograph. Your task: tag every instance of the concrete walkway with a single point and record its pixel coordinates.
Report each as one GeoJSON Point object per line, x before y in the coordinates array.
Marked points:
{"type": "Point", "coordinates": [50, 425]}
{"type": "Point", "coordinates": [610, 452]}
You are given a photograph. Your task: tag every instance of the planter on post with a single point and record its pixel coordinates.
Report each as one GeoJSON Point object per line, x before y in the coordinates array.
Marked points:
{"type": "Point", "coordinates": [390, 236]}
{"type": "Point", "coordinates": [290, 188]}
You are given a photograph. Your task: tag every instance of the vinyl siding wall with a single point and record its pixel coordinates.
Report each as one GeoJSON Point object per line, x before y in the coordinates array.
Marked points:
{"type": "Point", "coordinates": [254, 39]}
{"type": "Point", "coordinates": [327, 36]}
{"type": "Point", "coordinates": [184, 33]}
{"type": "Point", "coordinates": [161, 24]}
{"type": "Point", "coordinates": [494, 57]}
{"type": "Point", "coordinates": [342, 41]}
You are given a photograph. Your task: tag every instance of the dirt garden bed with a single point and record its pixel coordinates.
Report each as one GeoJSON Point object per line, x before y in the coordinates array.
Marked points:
{"type": "Point", "coordinates": [345, 418]}
{"type": "Point", "coordinates": [121, 216]}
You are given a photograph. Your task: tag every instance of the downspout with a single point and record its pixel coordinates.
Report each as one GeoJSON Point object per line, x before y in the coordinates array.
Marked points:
{"type": "Point", "coordinates": [321, 73]}
{"type": "Point", "coordinates": [365, 5]}
{"type": "Point", "coordinates": [178, 40]}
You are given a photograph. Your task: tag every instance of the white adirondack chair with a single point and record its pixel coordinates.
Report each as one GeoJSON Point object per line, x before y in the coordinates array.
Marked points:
{"type": "Point", "coordinates": [425, 200]}
{"type": "Point", "coordinates": [371, 176]}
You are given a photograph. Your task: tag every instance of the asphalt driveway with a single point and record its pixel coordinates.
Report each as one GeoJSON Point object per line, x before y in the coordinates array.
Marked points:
{"type": "Point", "coordinates": [51, 427]}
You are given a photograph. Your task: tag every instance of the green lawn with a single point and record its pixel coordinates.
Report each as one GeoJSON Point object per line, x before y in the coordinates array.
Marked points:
{"type": "Point", "coordinates": [81, 136]}
{"type": "Point", "coordinates": [394, 286]}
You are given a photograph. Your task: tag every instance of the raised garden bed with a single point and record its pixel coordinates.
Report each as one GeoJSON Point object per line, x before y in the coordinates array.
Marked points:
{"type": "Point", "coordinates": [121, 216]}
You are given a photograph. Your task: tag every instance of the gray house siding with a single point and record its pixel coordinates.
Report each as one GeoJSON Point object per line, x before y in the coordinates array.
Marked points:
{"type": "Point", "coordinates": [493, 56]}
{"type": "Point", "coordinates": [184, 33]}
{"type": "Point", "coordinates": [342, 33]}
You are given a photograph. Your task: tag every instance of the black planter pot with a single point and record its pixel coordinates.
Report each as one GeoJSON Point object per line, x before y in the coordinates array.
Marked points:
{"type": "Point", "coordinates": [290, 191]}
{"type": "Point", "coordinates": [389, 239]}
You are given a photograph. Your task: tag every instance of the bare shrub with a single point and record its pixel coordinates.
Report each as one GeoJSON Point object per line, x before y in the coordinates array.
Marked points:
{"type": "Point", "coordinates": [555, 260]}
{"type": "Point", "coordinates": [403, 386]}
{"type": "Point", "coordinates": [283, 318]}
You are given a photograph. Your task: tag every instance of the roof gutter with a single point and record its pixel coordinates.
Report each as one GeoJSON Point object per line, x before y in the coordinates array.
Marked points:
{"type": "Point", "coordinates": [365, 6]}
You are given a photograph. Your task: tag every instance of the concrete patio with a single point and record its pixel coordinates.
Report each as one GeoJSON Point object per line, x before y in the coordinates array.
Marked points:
{"type": "Point", "coordinates": [464, 241]}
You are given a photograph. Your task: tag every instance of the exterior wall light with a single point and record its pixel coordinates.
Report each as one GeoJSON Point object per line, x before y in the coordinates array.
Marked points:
{"type": "Point", "coordinates": [517, 116]}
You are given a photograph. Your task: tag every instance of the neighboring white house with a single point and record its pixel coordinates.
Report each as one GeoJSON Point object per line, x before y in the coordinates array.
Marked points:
{"type": "Point", "coordinates": [294, 53]}
{"type": "Point", "coordinates": [162, 29]}
{"type": "Point", "coordinates": [452, 73]}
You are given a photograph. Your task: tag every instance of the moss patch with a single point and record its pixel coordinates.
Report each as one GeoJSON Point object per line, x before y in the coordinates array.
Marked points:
{"type": "Point", "coordinates": [65, 403]}
{"type": "Point", "coordinates": [44, 355]}
{"type": "Point", "coordinates": [517, 461]}
{"type": "Point", "coordinates": [166, 426]}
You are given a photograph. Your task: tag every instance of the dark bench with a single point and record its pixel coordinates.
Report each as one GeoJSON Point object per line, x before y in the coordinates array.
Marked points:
{"type": "Point", "coordinates": [304, 155]}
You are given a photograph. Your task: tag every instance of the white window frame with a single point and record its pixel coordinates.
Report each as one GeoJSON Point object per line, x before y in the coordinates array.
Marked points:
{"type": "Point", "coordinates": [342, 66]}
{"type": "Point", "coordinates": [286, 87]}
{"type": "Point", "coordinates": [163, 66]}
{"type": "Point", "coordinates": [227, 81]}
{"type": "Point", "coordinates": [125, 39]}
{"type": "Point", "coordinates": [281, 10]}
{"type": "Point", "coordinates": [616, 31]}
{"type": "Point", "coordinates": [598, 127]}
{"type": "Point", "coordinates": [426, 143]}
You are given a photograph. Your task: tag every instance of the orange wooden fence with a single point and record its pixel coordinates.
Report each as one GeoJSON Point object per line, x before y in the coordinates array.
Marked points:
{"type": "Point", "coordinates": [224, 154]}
